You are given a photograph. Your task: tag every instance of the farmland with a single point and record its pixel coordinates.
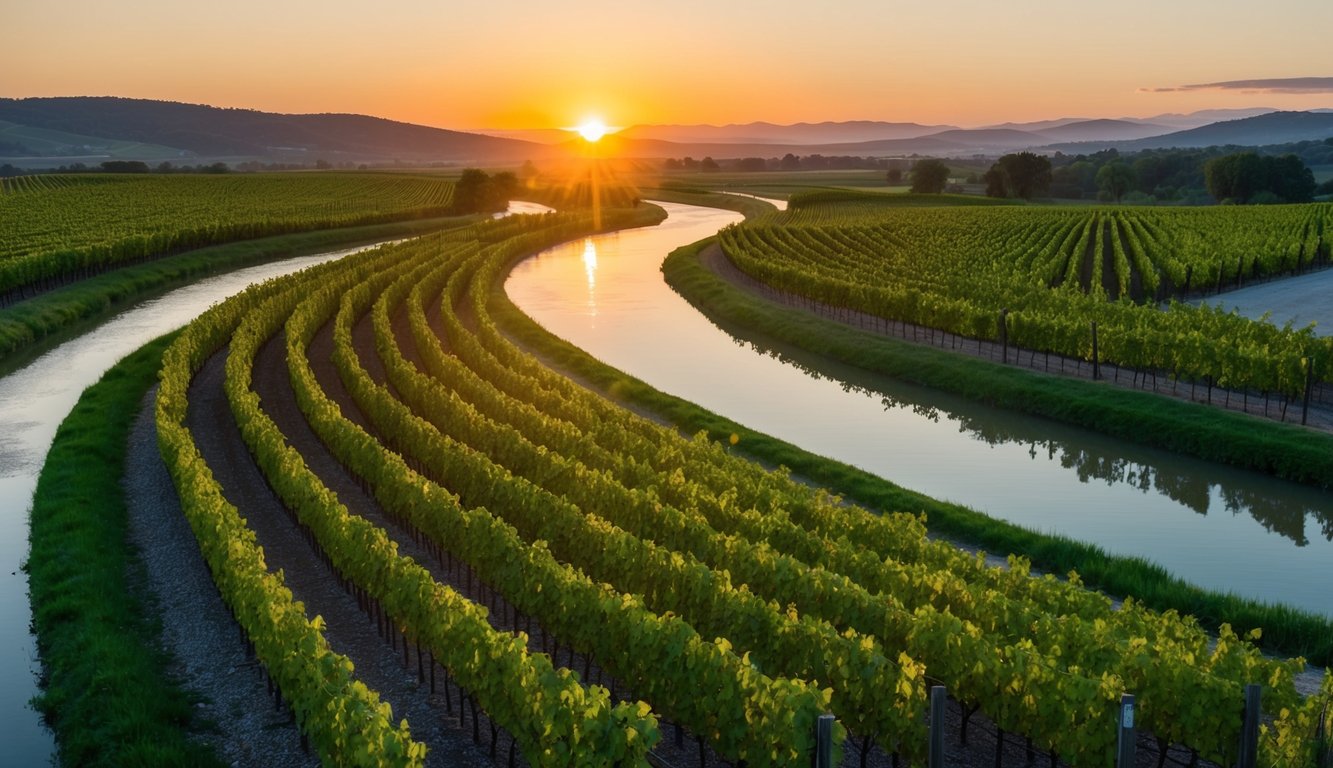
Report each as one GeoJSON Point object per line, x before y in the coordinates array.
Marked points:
{"type": "Point", "coordinates": [1053, 273]}
{"type": "Point", "coordinates": [57, 229]}
{"type": "Point", "coordinates": [592, 586]}
{"type": "Point", "coordinates": [483, 438]}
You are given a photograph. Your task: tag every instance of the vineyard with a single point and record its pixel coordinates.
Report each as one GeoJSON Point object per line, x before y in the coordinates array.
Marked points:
{"type": "Point", "coordinates": [720, 599]}
{"type": "Point", "coordinates": [1040, 278]}
{"type": "Point", "coordinates": [56, 229]}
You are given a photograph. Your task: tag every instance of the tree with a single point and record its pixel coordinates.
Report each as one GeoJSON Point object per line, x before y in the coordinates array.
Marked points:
{"type": "Point", "coordinates": [1115, 179]}
{"type": "Point", "coordinates": [894, 177]}
{"type": "Point", "coordinates": [477, 192]}
{"type": "Point", "coordinates": [930, 176]}
{"type": "Point", "coordinates": [709, 164]}
{"type": "Point", "coordinates": [790, 162]}
{"type": "Point", "coordinates": [1289, 179]}
{"type": "Point", "coordinates": [1021, 174]}
{"type": "Point", "coordinates": [1243, 176]}
{"type": "Point", "coordinates": [125, 166]}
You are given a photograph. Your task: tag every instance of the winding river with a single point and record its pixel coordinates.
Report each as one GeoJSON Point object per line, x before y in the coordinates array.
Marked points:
{"type": "Point", "coordinates": [1222, 529]}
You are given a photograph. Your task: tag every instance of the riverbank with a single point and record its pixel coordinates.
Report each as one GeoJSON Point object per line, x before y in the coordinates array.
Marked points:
{"type": "Point", "coordinates": [107, 692]}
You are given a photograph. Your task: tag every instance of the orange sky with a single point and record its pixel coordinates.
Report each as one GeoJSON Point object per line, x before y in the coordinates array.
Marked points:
{"type": "Point", "coordinates": [521, 64]}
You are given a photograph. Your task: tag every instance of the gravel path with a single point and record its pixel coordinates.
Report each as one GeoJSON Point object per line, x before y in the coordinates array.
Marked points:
{"type": "Point", "coordinates": [1302, 300]}
{"type": "Point", "coordinates": [197, 628]}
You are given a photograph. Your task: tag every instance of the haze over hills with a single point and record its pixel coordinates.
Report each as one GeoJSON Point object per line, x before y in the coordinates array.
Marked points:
{"type": "Point", "coordinates": [1270, 128]}
{"type": "Point", "coordinates": [204, 131]}
{"type": "Point", "coordinates": [846, 132]}
{"type": "Point", "coordinates": [91, 129]}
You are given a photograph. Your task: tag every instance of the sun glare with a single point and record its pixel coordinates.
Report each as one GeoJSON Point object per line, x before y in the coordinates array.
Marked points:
{"type": "Point", "coordinates": [592, 129]}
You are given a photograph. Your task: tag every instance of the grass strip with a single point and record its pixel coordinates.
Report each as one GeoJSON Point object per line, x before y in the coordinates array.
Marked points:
{"type": "Point", "coordinates": [107, 691]}
{"type": "Point", "coordinates": [61, 313]}
{"type": "Point", "coordinates": [1286, 630]}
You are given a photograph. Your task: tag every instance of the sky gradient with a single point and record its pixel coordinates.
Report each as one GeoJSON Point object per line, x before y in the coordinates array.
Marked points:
{"type": "Point", "coordinates": [510, 64]}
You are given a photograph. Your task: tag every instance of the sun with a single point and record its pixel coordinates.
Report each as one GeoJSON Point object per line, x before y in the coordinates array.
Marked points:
{"type": "Point", "coordinates": [592, 129]}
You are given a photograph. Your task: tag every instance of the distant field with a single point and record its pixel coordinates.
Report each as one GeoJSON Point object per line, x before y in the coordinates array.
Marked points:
{"type": "Point", "coordinates": [785, 183]}
{"type": "Point", "coordinates": [68, 226]}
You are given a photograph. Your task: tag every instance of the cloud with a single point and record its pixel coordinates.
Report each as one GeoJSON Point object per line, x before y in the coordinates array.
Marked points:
{"type": "Point", "coordinates": [1270, 85]}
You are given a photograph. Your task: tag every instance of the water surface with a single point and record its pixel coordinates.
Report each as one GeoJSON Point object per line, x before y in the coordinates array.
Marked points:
{"type": "Point", "coordinates": [1223, 529]}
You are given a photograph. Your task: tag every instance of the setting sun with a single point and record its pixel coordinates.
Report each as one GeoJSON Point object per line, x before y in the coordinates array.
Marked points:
{"type": "Point", "coordinates": [592, 129]}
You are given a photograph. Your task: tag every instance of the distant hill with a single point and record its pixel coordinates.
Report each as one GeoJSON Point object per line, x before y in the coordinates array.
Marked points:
{"type": "Point", "coordinates": [212, 132]}
{"type": "Point", "coordinates": [1104, 130]}
{"type": "Point", "coordinates": [1180, 122]}
{"type": "Point", "coordinates": [92, 129]}
{"type": "Point", "coordinates": [1258, 131]}
{"type": "Point", "coordinates": [846, 132]}
{"type": "Point", "coordinates": [31, 141]}
{"type": "Point", "coordinates": [1272, 128]}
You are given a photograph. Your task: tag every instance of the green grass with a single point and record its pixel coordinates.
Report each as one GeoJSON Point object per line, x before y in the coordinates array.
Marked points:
{"type": "Point", "coordinates": [748, 206]}
{"type": "Point", "coordinates": [31, 326]}
{"type": "Point", "coordinates": [107, 692]}
{"type": "Point", "coordinates": [1286, 630]}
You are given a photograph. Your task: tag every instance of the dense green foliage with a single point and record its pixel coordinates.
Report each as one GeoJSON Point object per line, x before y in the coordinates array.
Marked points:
{"type": "Point", "coordinates": [1021, 174]}
{"type": "Point", "coordinates": [1174, 176]}
{"type": "Point", "coordinates": [106, 693]}
{"type": "Point", "coordinates": [1056, 271]}
{"type": "Point", "coordinates": [346, 722]}
{"type": "Point", "coordinates": [929, 176]}
{"type": "Point", "coordinates": [1247, 177]}
{"type": "Point", "coordinates": [59, 229]}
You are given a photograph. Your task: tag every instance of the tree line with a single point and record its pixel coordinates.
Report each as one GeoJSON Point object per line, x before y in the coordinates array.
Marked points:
{"type": "Point", "coordinates": [1189, 176]}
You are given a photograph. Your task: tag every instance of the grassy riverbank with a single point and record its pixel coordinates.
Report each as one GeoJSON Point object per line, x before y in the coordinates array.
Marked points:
{"type": "Point", "coordinates": [32, 326]}
{"type": "Point", "coordinates": [1286, 451]}
{"type": "Point", "coordinates": [1286, 630]}
{"type": "Point", "coordinates": [107, 691]}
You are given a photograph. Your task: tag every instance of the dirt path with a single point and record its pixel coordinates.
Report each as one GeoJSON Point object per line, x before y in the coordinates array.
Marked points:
{"type": "Point", "coordinates": [197, 628]}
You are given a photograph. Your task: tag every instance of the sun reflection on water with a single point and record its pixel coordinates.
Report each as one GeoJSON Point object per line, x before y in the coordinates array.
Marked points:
{"type": "Point", "coordinates": [590, 267]}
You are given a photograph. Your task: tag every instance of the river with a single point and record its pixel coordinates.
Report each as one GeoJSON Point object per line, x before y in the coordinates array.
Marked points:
{"type": "Point", "coordinates": [1219, 528]}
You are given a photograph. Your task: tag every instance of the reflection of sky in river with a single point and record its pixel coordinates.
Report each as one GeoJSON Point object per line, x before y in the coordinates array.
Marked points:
{"type": "Point", "coordinates": [1220, 528]}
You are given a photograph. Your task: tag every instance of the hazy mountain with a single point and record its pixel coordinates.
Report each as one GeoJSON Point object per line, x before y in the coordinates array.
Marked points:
{"type": "Point", "coordinates": [1104, 130]}
{"type": "Point", "coordinates": [212, 132]}
{"type": "Point", "coordinates": [538, 135]}
{"type": "Point", "coordinates": [991, 139]}
{"type": "Point", "coordinates": [1203, 117]}
{"type": "Point", "coordinates": [769, 133]}
{"type": "Point", "coordinates": [1039, 125]}
{"type": "Point", "coordinates": [1258, 131]}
